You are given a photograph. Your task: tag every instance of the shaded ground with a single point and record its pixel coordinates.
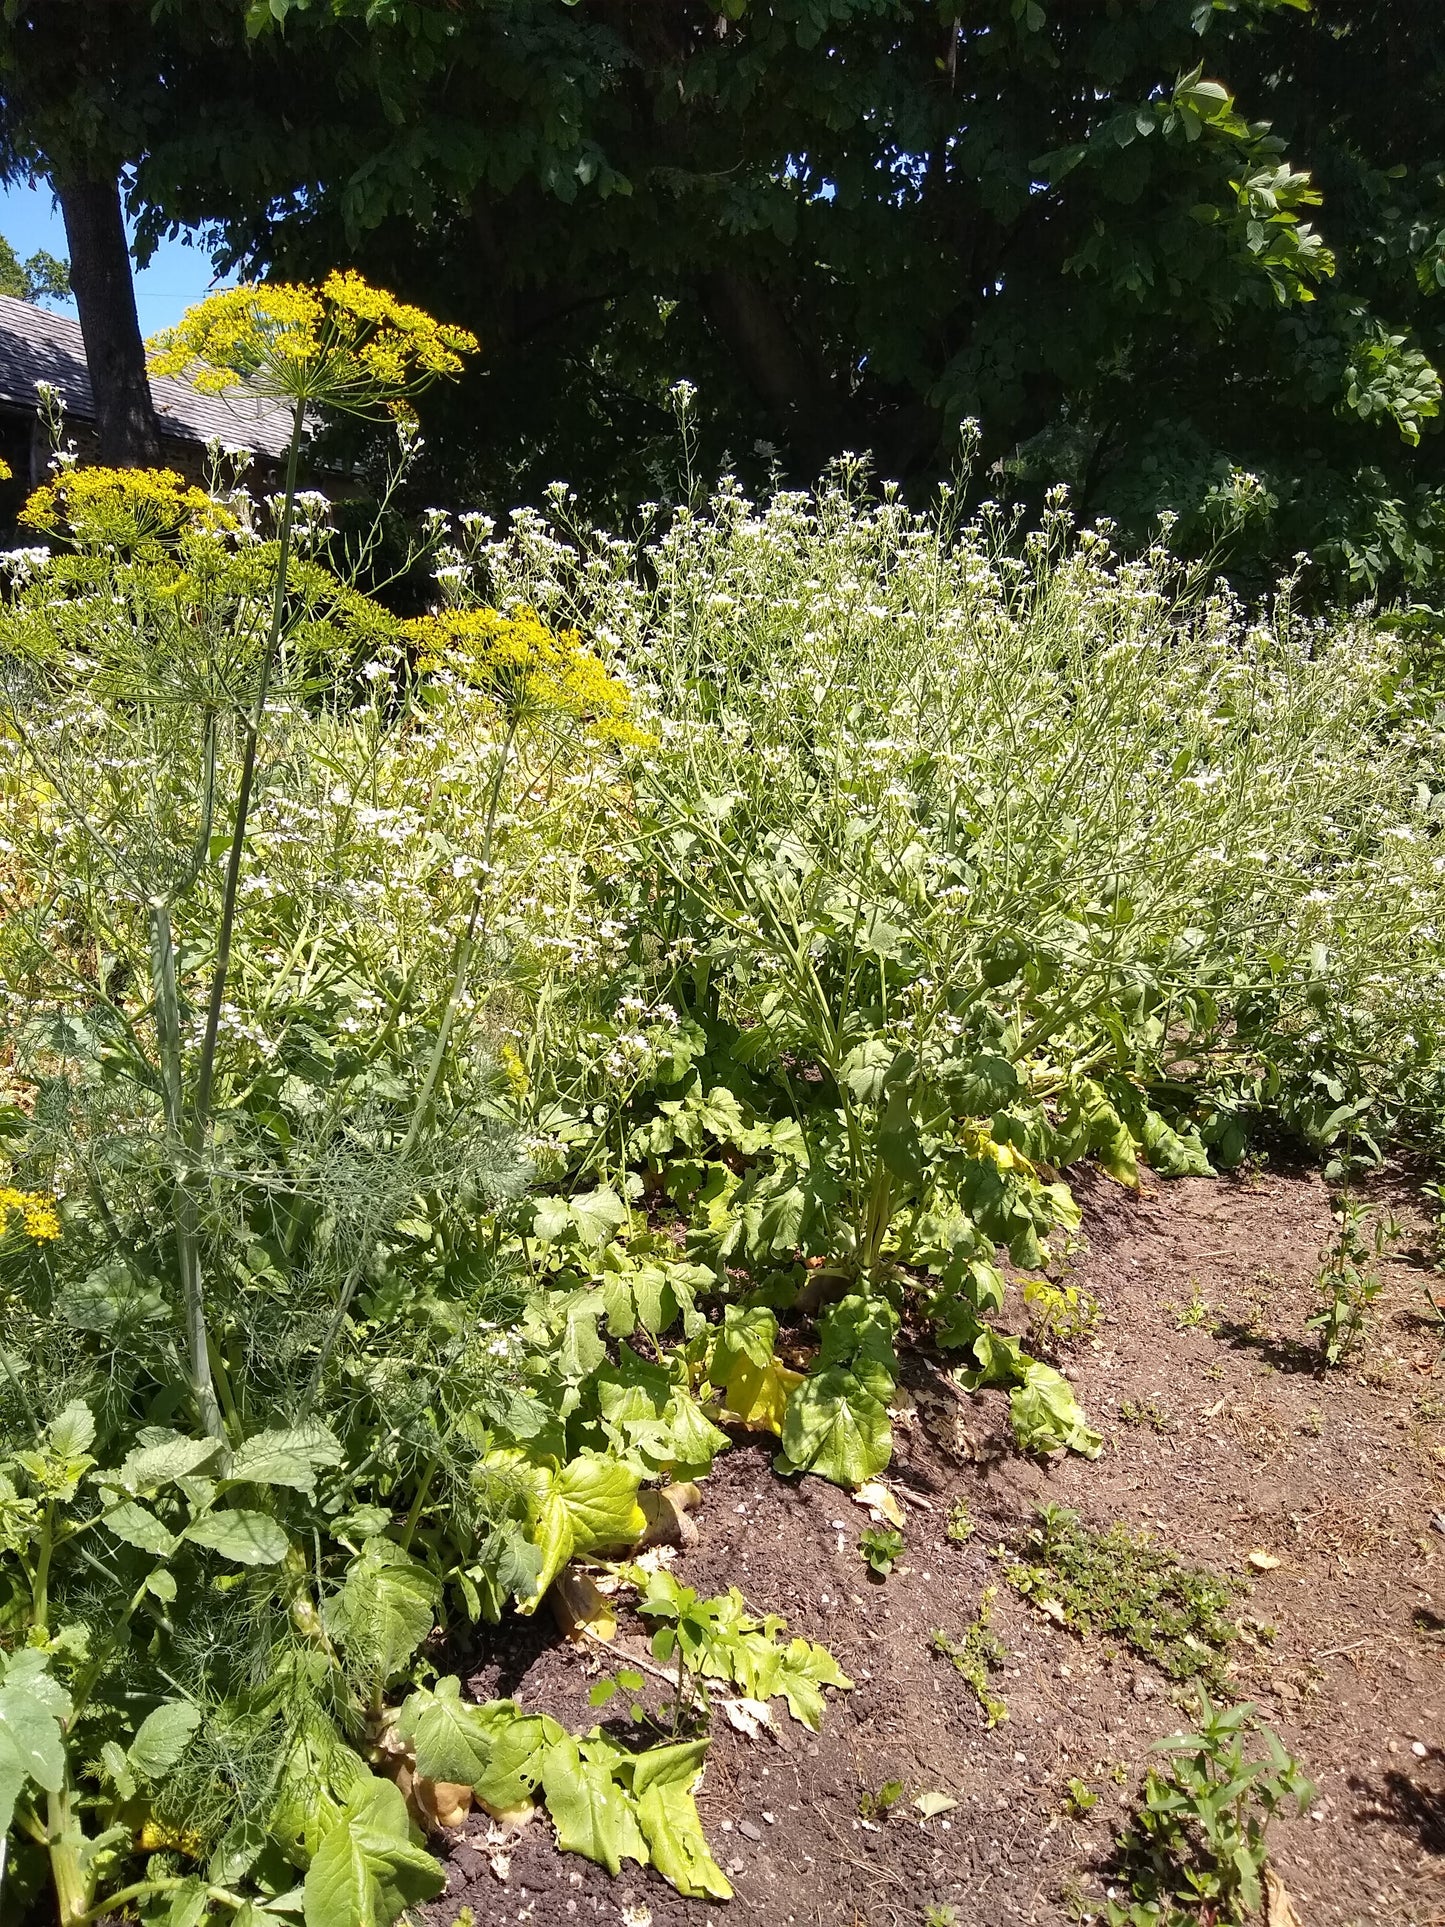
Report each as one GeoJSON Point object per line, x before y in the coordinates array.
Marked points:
{"type": "Point", "coordinates": [1232, 1444]}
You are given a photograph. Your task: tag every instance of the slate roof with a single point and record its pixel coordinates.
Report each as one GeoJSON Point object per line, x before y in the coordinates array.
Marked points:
{"type": "Point", "coordinates": [36, 345]}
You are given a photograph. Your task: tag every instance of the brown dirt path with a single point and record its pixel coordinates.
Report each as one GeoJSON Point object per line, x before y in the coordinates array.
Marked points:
{"type": "Point", "coordinates": [1221, 1439]}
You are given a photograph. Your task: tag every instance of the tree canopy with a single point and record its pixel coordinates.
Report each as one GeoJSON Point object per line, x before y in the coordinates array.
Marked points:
{"type": "Point", "coordinates": [1185, 255]}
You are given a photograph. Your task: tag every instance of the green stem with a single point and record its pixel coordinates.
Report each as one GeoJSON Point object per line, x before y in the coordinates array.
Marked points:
{"type": "Point", "coordinates": [72, 1889]}
{"type": "Point", "coordinates": [40, 1588]}
{"type": "Point", "coordinates": [206, 1074]}
{"type": "Point", "coordinates": [187, 1209]}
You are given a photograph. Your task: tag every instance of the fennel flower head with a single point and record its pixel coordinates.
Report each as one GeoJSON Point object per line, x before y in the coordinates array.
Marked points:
{"type": "Point", "coordinates": [125, 508]}
{"type": "Point", "coordinates": [344, 344]}
{"type": "Point", "coordinates": [33, 1212]}
{"type": "Point", "coordinates": [526, 668]}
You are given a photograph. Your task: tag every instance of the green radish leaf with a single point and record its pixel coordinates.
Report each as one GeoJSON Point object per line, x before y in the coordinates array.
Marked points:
{"type": "Point", "coordinates": [596, 1215]}
{"type": "Point", "coordinates": [32, 1707]}
{"type": "Point", "coordinates": [591, 1812]}
{"type": "Point", "coordinates": [804, 1671]}
{"type": "Point", "coordinates": [367, 1871]}
{"type": "Point", "coordinates": [1046, 1415]}
{"type": "Point", "coordinates": [247, 1538]}
{"type": "Point", "coordinates": [452, 1736]}
{"type": "Point", "coordinates": [518, 1754]}
{"type": "Point", "coordinates": [150, 1467]}
{"type": "Point", "coordinates": [589, 1506]}
{"type": "Point", "coordinates": [837, 1427]}
{"type": "Point", "coordinates": [162, 1737]}
{"type": "Point", "coordinates": [290, 1457]}
{"type": "Point", "coordinates": [663, 1781]}
{"type": "Point", "coordinates": [135, 1525]}
{"type": "Point", "coordinates": [385, 1609]}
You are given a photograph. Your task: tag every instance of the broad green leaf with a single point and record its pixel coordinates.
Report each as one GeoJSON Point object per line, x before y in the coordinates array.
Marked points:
{"type": "Point", "coordinates": [519, 1749]}
{"type": "Point", "coordinates": [162, 1737]}
{"type": "Point", "coordinates": [663, 1781]}
{"type": "Point", "coordinates": [385, 1609]}
{"type": "Point", "coordinates": [1173, 1154]}
{"type": "Point", "coordinates": [597, 1215]}
{"type": "Point", "coordinates": [247, 1538]}
{"type": "Point", "coordinates": [136, 1525]}
{"type": "Point", "coordinates": [32, 1707]}
{"type": "Point", "coordinates": [837, 1427]}
{"type": "Point", "coordinates": [593, 1815]}
{"type": "Point", "coordinates": [452, 1737]}
{"type": "Point", "coordinates": [318, 1775]}
{"type": "Point", "coordinates": [859, 1326]}
{"type": "Point", "coordinates": [72, 1431]}
{"type": "Point", "coordinates": [290, 1457]}
{"type": "Point", "coordinates": [804, 1670]}
{"type": "Point", "coordinates": [550, 1219]}
{"type": "Point", "coordinates": [1046, 1414]}
{"type": "Point", "coordinates": [367, 1870]}
{"type": "Point", "coordinates": [589, 1506]}
{"type": "Point", "coordinates": [153, 1466]}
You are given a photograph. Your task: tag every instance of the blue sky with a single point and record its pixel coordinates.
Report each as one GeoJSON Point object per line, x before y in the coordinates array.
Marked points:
{"type": "Point", "coordinates": [177, 275]}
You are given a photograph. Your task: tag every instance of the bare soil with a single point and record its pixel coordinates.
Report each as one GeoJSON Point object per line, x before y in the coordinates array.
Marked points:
{"type": "Point", "coordinates": [1204, 1288]}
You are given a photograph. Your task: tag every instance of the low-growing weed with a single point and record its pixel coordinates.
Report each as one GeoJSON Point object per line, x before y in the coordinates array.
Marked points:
{"type": "Point", "coordinates": [882, 1548]}
{"type": "Point", "coordinates": [1079, 1798]}
{"type": "Point", "coordinates": [960, 1527]}
{"type": "Point", "coordinates": [1146, 1411]}
{"type": "Point", "coordinates": [1122, 1584]}
{"type": "Point", "coordinates": [979, 1653]}
{"type": "Point", "coordinates": [1059, 1314]}
{"type": "Point", "coordinates": [1197, 1315]}
{"type": "Point", "coordinates": [877, 1806]}
{"type": "Point", "coordinates": [1195, 1849]}
{"type": "Point", "coordinates": [939, 1913]}
{"type": "Point", "coordinates": [1348, 1280]}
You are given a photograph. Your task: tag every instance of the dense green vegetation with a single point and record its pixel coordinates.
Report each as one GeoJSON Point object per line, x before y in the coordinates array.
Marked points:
{"type": "Point", "coordinates": [1185, 255]}
{"type": "Point", "coordinates": [461, 1071]}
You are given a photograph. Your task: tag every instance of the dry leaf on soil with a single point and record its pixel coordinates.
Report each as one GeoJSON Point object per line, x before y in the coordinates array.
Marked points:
{"type": "Point", "coordinates": [880, 1502]}
{"type": "Point", "coordinates": [1278, 1907]}
{"type": "Point", "coordinates": [749, 1717]}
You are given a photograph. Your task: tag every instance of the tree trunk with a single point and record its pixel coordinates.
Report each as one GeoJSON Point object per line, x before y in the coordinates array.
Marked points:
{"type": "Point", "coordinates": [105, 295]}
{"type": "Point", "coordinates": [783, 376]}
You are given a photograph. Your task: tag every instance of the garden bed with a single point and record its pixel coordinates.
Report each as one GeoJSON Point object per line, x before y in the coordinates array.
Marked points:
{"type": "Point", "coordinates": [1222, 1440]}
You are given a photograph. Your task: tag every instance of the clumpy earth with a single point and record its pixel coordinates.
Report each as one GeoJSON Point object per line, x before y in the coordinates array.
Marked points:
{"type": "Point", "coordinates": [1222, 1440]}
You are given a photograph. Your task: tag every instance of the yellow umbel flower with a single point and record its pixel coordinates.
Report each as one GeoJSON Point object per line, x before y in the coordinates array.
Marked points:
{"type": "Point", "coordinates": [345, 343]}
{"type": "Point", "coordinates": [526, 667]}
{"type": "Point", "coordinates": [7, 473]}
{"type": "Point", "coordinates": [122, 507]}
{"type": "Point", "coordinates": [39, 1219]}
{"type": "Point", "coordinates": [513, 1069]}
